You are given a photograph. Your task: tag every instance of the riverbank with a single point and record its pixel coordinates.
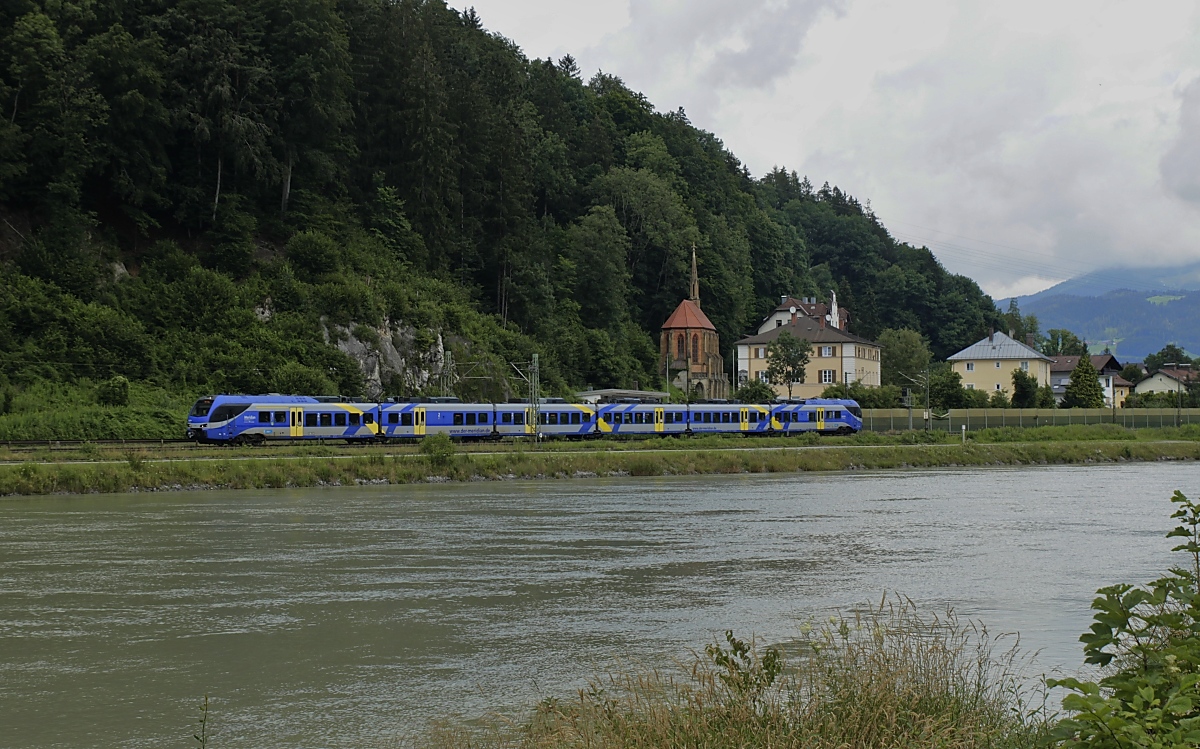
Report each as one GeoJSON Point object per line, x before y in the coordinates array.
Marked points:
{"type": "Point", "coordinates": [139, 471]}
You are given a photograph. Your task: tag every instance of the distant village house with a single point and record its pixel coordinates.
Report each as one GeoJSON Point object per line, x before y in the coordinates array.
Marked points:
{"type": "Point", "coordinates": [989, 363]}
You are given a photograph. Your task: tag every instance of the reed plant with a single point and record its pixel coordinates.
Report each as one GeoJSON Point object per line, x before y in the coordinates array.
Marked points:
{"type": "Point", "coordinates": [884, 678]}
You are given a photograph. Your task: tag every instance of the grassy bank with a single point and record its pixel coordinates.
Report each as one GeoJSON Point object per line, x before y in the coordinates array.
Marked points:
{"type": "Point", "coordinates": [137, 471]}
{"type": "Point", "coordinates": [887, 679]}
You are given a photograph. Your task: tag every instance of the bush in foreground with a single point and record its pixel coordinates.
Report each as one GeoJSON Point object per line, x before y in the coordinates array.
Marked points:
{"type": "Point", "coordinates": [887, 679]}
{"type": "Point", "coordinates": [1147, 642]}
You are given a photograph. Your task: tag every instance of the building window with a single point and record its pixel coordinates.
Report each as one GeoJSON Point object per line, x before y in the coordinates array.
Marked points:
{"type": "Point", "coordinates": [827, 376]}
{"type": "Point", "coordinates": [997, 365]}
{"type": "Point", "coordinates": [998, 386]}
{"type": "Point", "coordinates": [1024, 366]}
{"type": "Point", "coordinates": [680, 347]}
{"type": "Point", "coordinates": [762, 375]}
{"type": "Point", "coordinates": [827, 351]}
{"type": "Point", "coordinates": [779, 323]}
{"type": "Point", "coordinates": [695, 346]}
{"type": "Point", "coordinates": [970, 366]}
{"type": "Point", "coordinates": [970, 386]}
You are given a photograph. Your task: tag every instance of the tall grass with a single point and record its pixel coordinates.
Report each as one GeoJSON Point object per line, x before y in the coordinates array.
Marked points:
{"type": "Point", "coordinates": [888, 678]}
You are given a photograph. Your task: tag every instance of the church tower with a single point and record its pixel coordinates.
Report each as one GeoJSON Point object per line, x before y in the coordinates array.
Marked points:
{"type": "Point", "coordinates": [690, 350]}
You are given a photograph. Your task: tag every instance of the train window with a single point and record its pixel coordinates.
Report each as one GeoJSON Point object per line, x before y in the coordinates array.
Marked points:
{"type": "Point", "coordinates": [543, 417]}
{"type": "Point", "coordinates": [812, 415]}
{"type": "Point", "coordinates": [587, 418]}
{"type": "Point", "coordinates": [339, 420]}
{"type": "Point", "coordinates": [506, 418]}
{"type": "Point", "coordinates": [406, 419]}
{"type": "Point", "coordinates": [754, 417]}
{"type": "Point", "coordinates": [310, 420]}
{"type": "Point", "coordinates": [458, 419]}
{"type": "Point", "coordinates": [355, 419]}
{"type": "Point", "coordinates": [575, 418]}
{"type": "Point", "coordinates": [326, 420]}
{"type": "Point", "coordinates": [483, 418]}
{"type": "Point", "coordinates": [281, 417]}
{"type": "Point", "coordinates": [368, 418]}
{"type": "Point", "coordinates": [628, 417]}
{"type": "Point", "coordinates": [554, 418]}
{"type": "Point", "coordinates": [393, 418]}
{"type": "Point", "coordinates": [519, 419]}
{"type": "Point", "coordinates": [264, 417]}
{"type": "Point", "coordinates": [201, 407]}
{"type": "Point", "coordinates": [224, 413]}
{"type": "Point", "coordinates": [470, 420]}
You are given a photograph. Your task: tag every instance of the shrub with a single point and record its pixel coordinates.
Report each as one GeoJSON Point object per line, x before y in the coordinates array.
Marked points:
{"type": "Point", "coordinates": [1147, 642]}
{"type": "Point", "coordinates": [439, 450]}
{"type": "Point", "coordinates": [113, 392]}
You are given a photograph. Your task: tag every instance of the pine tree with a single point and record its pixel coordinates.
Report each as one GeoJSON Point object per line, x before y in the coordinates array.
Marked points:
{"type": "Point", "coordinates": [1084, 391]}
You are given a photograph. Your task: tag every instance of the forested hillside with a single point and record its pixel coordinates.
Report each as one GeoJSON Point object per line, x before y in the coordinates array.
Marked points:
{"type": "Point", "coordinates": [215, 195]}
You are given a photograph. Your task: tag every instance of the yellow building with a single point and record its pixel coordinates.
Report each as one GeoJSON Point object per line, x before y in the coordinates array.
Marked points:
{"type": "Point", "coordinates": [837, 357]}
{"type": "Point", "coordinates": [988, 365]}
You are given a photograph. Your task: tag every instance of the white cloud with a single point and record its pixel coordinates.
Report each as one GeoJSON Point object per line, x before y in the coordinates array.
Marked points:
{"type": "Point", "coordinates": [1021, 140]}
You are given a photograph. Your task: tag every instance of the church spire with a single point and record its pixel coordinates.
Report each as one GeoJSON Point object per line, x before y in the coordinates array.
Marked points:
{"type": "Point", "coordinates": [695, 292]}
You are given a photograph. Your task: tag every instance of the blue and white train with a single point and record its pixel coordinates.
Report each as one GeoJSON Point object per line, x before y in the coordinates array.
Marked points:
{"type": "Point", "coordinates": [257, 419]}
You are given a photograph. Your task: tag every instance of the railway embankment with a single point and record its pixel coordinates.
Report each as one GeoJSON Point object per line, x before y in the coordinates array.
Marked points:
{"type": "Point", "coordinates": [144, 470]}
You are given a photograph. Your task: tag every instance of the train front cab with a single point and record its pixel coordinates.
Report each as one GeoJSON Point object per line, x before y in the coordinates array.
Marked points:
{"type": "Point", "coordinates": [257, 419]}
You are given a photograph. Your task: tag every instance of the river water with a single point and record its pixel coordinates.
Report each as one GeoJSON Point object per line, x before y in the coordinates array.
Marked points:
{"type": "Point", "coordinates": [351, 617]}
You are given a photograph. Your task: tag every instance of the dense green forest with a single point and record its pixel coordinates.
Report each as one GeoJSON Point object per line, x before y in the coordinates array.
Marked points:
{"type": "Point", "coordinates": [213, 195]}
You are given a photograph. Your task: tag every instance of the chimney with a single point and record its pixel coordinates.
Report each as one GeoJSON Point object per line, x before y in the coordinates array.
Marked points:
{"type": "Point", "coordinates": [821, 322]}
{"type": "Point", "coordinates": [1029, 340]}
{"type": "Point", "coordinates": [1012, 333]}
{"type": "Point", "coordinates": [783, 298]}
{"type": "Point", "coordinates": [991, 335]}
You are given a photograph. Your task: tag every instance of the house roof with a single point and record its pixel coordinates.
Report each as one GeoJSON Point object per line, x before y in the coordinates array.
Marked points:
{"type": "Point", "coordinates": [809, 330]}
{"type": "Point", "coordinates": [688, 315]}
{"type": "Point", "coordinates": [1120, 381]}
{"type": "Point", "coordinates": [1179, 375]}
{"type": "Point", "coordinates": [817, 310]}
{"type": "Point", "coordinates": [1102, 363]}
{"type": "Point", "coordinates": [999, 346]}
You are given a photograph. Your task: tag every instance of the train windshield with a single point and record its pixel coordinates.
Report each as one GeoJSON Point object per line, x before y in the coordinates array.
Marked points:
{"type": "Point", "coordinates": [202, 406]}
{"type": "Point", "coordinates": [856, 411]}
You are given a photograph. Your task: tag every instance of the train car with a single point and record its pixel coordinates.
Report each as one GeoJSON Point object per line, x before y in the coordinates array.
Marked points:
{"type": "Point", "coordinates": [255, 419]}
{"type": "Point", "coordinates": [820, 415]}
{"type": "Point", "coordinates": [514, 420]}
{"type": "Point", "coordinates": [641, 418]}
{"type": "Point", "coordinates": [730, 418]}
{"type": "Point", "coordinates": [415, 419]}
{"type": "Point", "coordinates": [561, 419]}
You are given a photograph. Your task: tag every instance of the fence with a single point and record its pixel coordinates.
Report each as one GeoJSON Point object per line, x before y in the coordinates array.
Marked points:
{"type": "Point", "coordinates": [897, 419]}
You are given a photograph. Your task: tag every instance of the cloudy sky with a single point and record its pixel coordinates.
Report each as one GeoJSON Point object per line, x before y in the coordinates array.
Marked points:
{"type": "Point", "coordinates": [1024, 142]}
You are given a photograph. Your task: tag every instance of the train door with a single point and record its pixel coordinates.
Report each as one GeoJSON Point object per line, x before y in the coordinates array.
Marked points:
{"type": "Point", "coordinates": [744, 419]}
{"type": "Point", "coordinates": [530, 425]}
{"type": "Point", "coordinates": [820, 419]}
{"type": "Point", "coordinates": [658, 420]}
{"type": "Point", "coordinates": [297, 424]}
{"type": "Point", "coordinates": [419, 422]}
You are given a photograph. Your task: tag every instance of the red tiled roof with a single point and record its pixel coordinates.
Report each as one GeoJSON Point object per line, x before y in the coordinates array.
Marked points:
{"type": "Point", "coordinates": [1101, 362]}
{"type": "Point", "coordinates": [688, 315]}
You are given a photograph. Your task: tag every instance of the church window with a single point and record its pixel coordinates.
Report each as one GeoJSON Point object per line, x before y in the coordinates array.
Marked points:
{"type": "Point", "coordinates": [680, 346]}
{"type": "Point", "coordinates": [695, 346]}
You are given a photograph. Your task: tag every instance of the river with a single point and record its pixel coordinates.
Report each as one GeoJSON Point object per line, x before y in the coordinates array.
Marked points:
{"type": "Point", "coordinates": [350, 617]}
